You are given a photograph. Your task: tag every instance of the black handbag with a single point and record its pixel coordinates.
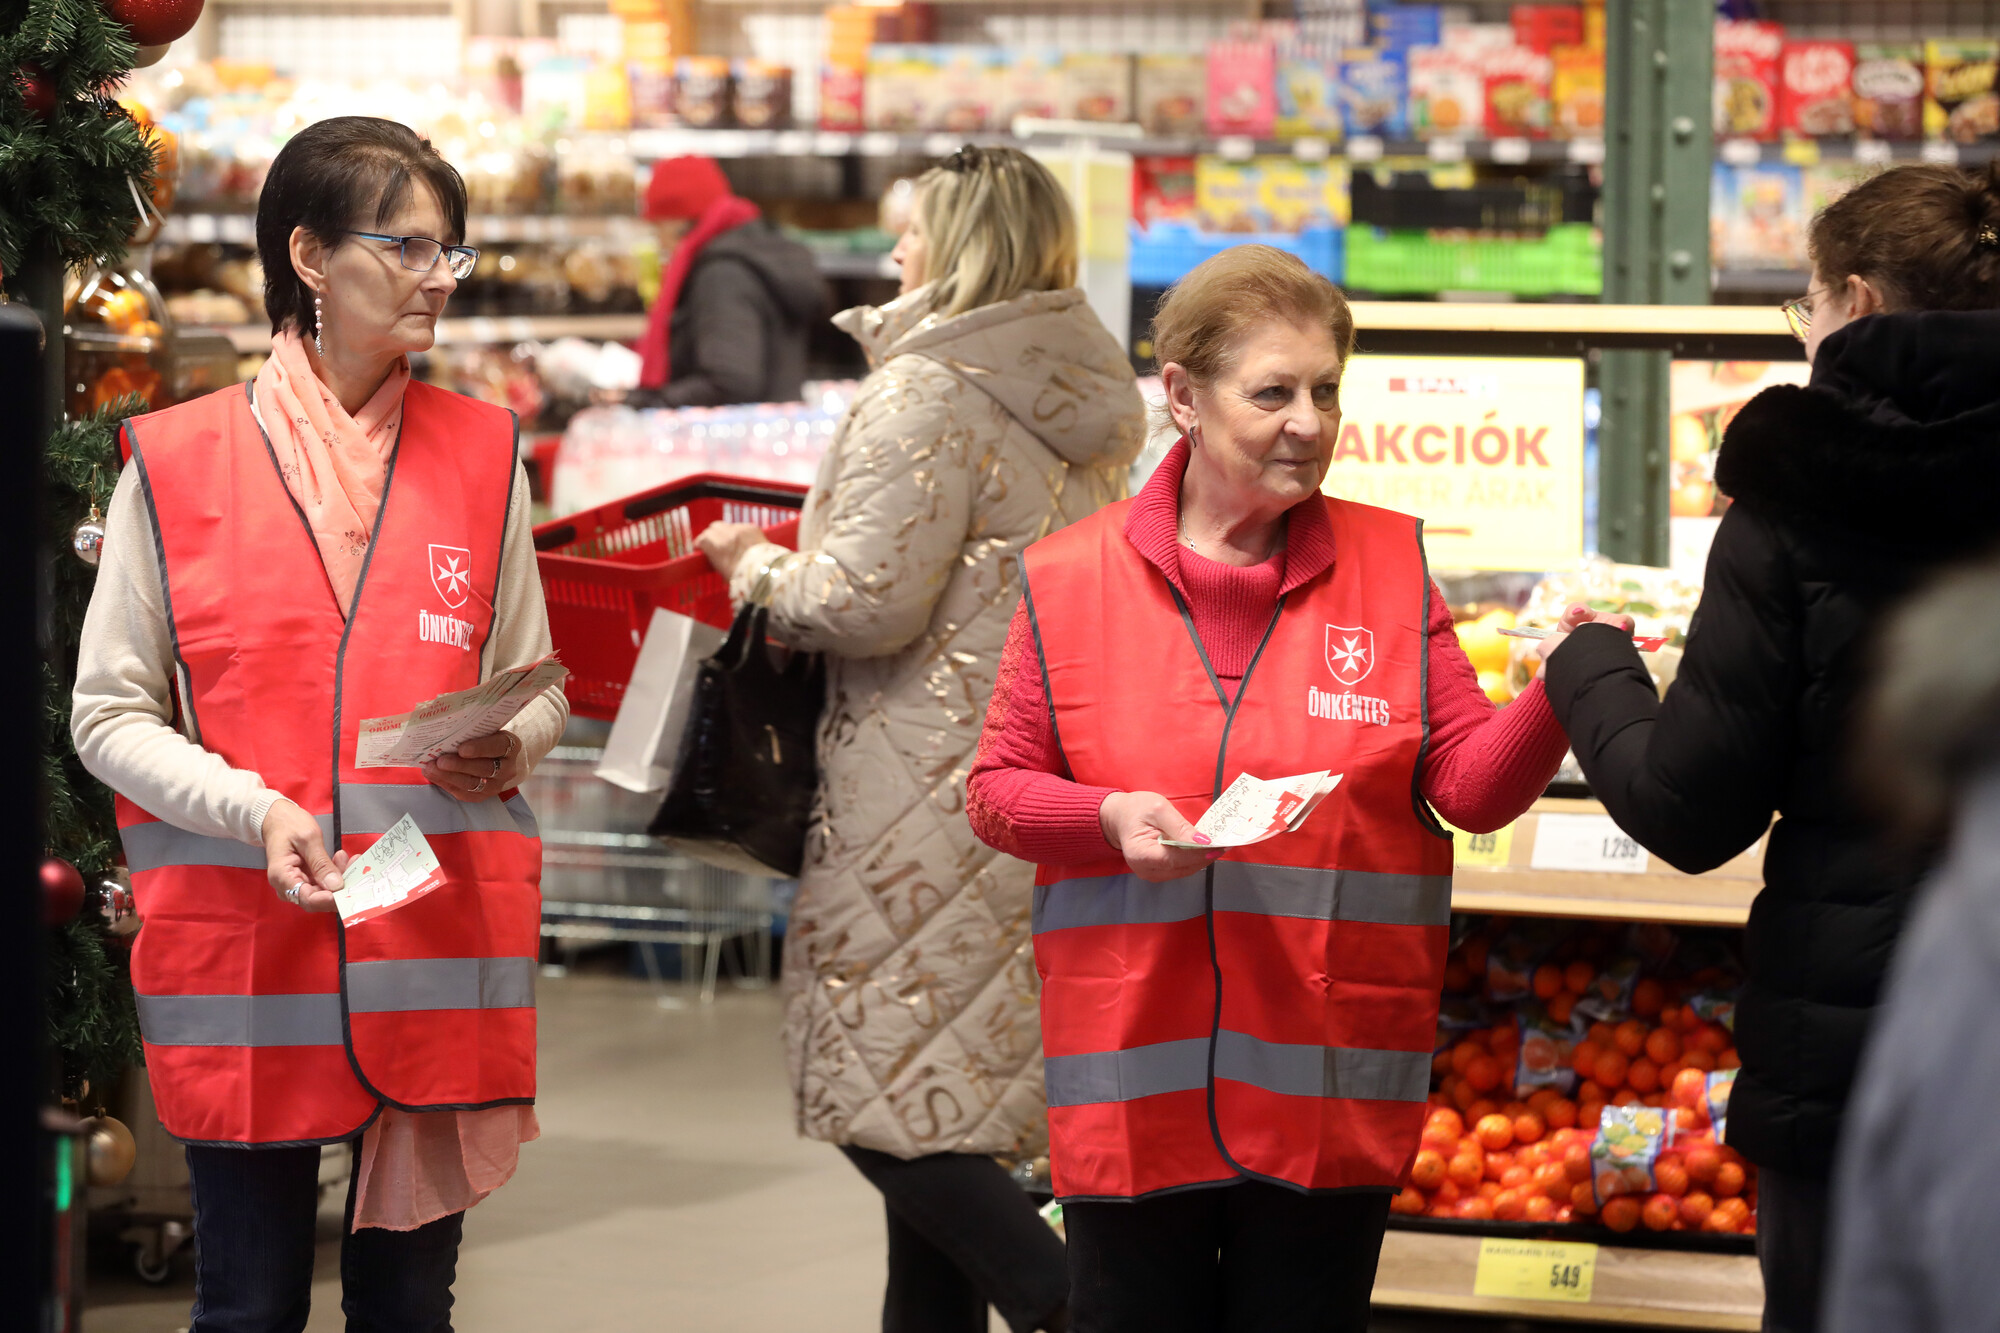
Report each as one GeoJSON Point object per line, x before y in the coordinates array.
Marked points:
{"type": "Point", "coordinates": [748, 769]}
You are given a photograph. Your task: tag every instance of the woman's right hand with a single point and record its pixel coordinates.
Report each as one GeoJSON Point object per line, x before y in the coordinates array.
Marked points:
{"type": "Point", "coordinates": [1135, 821]}
{"type": "Point", "coordinates": [295, 854]}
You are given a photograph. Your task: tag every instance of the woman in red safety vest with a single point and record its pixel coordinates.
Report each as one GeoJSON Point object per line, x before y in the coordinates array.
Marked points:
{"type": "Point", "coordinates": [285, 559]}
{"type": "Point", "coordinates": [1238, 1044]}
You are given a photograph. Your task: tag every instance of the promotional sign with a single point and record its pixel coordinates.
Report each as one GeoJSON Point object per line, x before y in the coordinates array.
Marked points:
{"type": "Point", "coordinates": [1488, 451]}
{"type": "Point", "coordinates": [1703, 397]}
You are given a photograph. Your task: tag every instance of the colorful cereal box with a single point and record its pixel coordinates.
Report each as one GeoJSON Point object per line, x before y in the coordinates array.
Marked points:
{"type": "Point", "coordinates": [1308, 92]}
{"type": "Point", "coordinates": [1578, 92]}
{"type": "Point", "coordinates": [1374, 94]}
{"type": "Point", "coordinates": [842, 98]}
{"type": "Point", "coordinates": [1757, 216]}
{"type": "Point", "coordinates": [1172, 89]}
{"type": "Point", "coordinates": [1031, 85]}
{"type": "Point", "coordinates": [1299, 195]}
{"type": "Point", "coordinates": [1889, 90]}
{"type": "Point", "coordinates": [1746, 78]}
{"type": "Point", "coordinates": [1163, 190]}
{"type": "Point", "coordinates": [1519, 81]}
{"type": "Point", "coordinates": [1400, 27]}
{"type": "Point", "coordinates": [1242, 79]}
{"type": "Point", "coordinates": [1816, 89]}
{"type": "Point", "coordinates": [1961, 103]}
{"type": "Point", "coordinates": [1229, 196]}
{"type": "Point", "coordinates": [1447, 94]}
{"type": "Point", "coordinates": [1543, 28]}
{"type": "Point", "coordinates": [1097, 87]}
{"type": "Point", "coordinates": [902, 86]}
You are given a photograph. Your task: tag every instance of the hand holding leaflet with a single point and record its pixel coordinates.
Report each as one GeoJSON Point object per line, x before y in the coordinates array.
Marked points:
{"type": "Point", "coordinates": [399, 868]}
{"type": "Point", "coordinates": [440, 726]}
{"type": "Point", "coordinates": [1253, 809]}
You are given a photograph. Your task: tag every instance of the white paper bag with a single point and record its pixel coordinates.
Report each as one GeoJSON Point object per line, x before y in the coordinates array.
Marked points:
{"type": "Point", "coordinates": [645, 737]}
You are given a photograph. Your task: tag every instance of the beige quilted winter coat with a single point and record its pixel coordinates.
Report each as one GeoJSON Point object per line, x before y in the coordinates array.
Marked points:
{"type": "Point", "coordinates": [911, 1019]}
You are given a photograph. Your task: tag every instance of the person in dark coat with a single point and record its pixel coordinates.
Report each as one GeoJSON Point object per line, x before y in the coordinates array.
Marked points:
{"type": "Point", "coordinates": [737, 300]}
{"type": "Point", "coordinates": [1917, 1190]}
{"type": "Point", "coordinates": [1847, 491]}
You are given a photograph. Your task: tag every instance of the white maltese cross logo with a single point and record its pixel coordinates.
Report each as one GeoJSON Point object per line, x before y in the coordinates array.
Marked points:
{"type": "Point", "coordinates": [451, 574]}
{"type": "Point", "coordinates": [1350, 653]}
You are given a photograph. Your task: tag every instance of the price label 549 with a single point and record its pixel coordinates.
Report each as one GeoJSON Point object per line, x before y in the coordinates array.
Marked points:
{"type": "Point", "coordinates": [1535, 1270]}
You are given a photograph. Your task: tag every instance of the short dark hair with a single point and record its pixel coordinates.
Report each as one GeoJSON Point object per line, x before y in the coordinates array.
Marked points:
{"type": "Point", "coordinates": [1927, 236]}
{"type": "Point", "coordinates": [334, 175]}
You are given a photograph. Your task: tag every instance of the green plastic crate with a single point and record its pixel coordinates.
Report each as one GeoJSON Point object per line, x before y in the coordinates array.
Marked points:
{"type": "Point", "coordinates": [1567, 261]}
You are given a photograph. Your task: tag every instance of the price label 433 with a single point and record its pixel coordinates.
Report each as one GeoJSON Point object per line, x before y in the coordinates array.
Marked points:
{"type": "Point", "coordinates": [1535, 1270]}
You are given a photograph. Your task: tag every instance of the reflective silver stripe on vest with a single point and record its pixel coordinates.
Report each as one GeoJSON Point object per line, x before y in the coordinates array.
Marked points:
{"type": "Point", "coordinates": [1123, 1076]}
{"type": "Point", "coordinates": [364, 808]}
{"type": "Point", "coordinates": [404, 984]}
{"type": "Point", "coordinates": [1318, 895]}
{"type": "Point", "coordinates": [1181, 1066]}
{"type": "Point", "coordinates": [151, 846]}
{"type": "Point", "coordinates": [240, 1020]}
{"type": "Point", "coordinates": [1323, 1071]}
{"type": "Point", "coordinates": [1114, 900]}
{"type": "Point", "coordinates": [1333, 895]}
{"type": "Point", "coordinates": [374, 807]}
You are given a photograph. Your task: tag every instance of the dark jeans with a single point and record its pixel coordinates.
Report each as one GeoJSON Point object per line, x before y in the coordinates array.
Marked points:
{"type": "Point", "coordinates": [253, 1235]}
{"type": "Point", "coordinates": [963, 1236]}
{"type": "Point", "coordinates": [1242, 1258]}
{"type": "Point", "coordinates": [1791, 1249]}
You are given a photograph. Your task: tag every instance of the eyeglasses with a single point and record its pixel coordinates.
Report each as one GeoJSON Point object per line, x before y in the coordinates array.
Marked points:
{"type": "Point", "coordinates": [1798, 314]}
{"type": "Point", "coordinates": [420, 253]}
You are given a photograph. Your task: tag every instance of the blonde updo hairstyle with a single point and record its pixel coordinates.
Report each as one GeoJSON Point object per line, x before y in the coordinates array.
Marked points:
{"type": "Point", "coordinates": [996, 224]}
{"type": "Point", "coordinates": [1202, 320]}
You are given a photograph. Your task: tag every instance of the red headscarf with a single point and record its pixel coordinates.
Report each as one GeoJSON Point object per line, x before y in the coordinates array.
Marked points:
{"type": "Point", "coordinates": [684, 187]}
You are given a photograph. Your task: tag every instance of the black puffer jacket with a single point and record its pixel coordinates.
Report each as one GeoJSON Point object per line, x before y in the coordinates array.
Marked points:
{"type": "Point", "coordinates": [740, 329]}
{"type": "Point", "coordinates": [1847, 493]}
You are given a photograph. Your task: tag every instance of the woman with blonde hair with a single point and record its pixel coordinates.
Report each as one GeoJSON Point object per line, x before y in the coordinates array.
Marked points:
{"type": "Point", "coordinates": [1239, 1043]}
{"type": "Point", "coordinates": [999, 410]}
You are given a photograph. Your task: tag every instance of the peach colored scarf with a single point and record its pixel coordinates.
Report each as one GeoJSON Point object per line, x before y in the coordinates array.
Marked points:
{"type": "Point", "coordinates": [334, 465]}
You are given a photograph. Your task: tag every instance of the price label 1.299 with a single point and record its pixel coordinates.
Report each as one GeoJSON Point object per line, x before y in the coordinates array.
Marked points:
{"type": "Point", "coordinates": [1586, 842]}
{"type": "Point", "coordinates": [1535, 1270]}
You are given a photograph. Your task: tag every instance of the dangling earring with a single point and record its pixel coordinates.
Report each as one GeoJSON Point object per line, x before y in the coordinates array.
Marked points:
{"type": "Point", "coordinates": [319, 316]}
{"type": "Point", "coordinates": [1194, 437]}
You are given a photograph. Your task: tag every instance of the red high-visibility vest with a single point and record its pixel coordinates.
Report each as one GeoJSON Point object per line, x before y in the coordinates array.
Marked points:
{"type": "Point", "coordinates": [265, 1024]}
{"type": "Point", "coordinates": [1272, 1017]}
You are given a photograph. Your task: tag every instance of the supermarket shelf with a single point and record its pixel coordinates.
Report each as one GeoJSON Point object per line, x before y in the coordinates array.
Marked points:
{"type": "Point", "coordinates": [1449, 328]}
{"type": "Point", "coordinates": [250, 338]}
{"type": "Point", "coordinates": [1806, 152]}
{"type": "Point", "coordinates": [1639, 1288]}
{"type": "Point", "coordinates": [1782, 282]}
{"type": "Point", "coordinates": [841, 264]}
{"type": "Point", "coordinates": [481, 229]}
{"type": "Point", "coordinates": [650, 144]}
{"type": "Point", "coordinates": [1719, 898]}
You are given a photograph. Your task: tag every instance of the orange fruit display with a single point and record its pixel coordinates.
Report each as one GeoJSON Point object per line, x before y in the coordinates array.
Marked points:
{"type": "Point", "coordinates": [1629, 1037]}
{"type": "Point", "coordinates": [1484, 1073]}
{"type": "Point", "coordinates": [1408, 1202]}
{"type": "Point", "coordinates": [1621, 1213]}
{"type": "Point", "coordinates": [1560, 1113]}
{"type": "Point", "coordinates": [1496, 1165]}
{"type": "Point", "coordinates": [1663, 1047]}
{"type": "Point", "coordinates": [1478, 1210]}
{"type": "Point", "coordinates": [1428, 1171]}
{"type": "Point", "coordinates": [1510, 1205]}
{"type": "Point", "coordinates": [1690, 1088]}
{"type": "Point", "coordinates": [1528, 1127]}
{"type": "Point", "coordinates": [1578, 976]}
{"type": "Point", "coordinates": [1695, 1208]}
{"type": "Point", "coordinates": [1494, 1132]}
{"type": "Point", "coordinates": [1729, 1180]}
{"type": "Point", "coordinates": [1642, 1076]}
{"type": "Point", "coordinates": [1660, 1212]}
{"type": "Point", "coordinates": [1466, 1171]}
{"type": "Point", "coordinates": [1610, 1070]}
{"type": "Point", "coordinates": [1671, 1177]}
{"type": "Point", "coordinates": [1649, 997]}
{"type": "Point", "coordinates": [1703, 1161]}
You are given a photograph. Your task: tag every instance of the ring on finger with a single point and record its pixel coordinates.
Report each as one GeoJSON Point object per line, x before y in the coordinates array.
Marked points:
{"type": "Point", "coordinates": [293, 894]}
{"type": "Point", "coordinates": [479, 785]}
{"type": "Point", "coordinates": [496, 769]}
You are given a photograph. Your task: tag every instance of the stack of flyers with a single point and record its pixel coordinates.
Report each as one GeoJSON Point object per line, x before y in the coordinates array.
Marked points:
{"type": "Point", "coordinates": [450, 720]}
{"type": "Point", "coordinates": [1254, 809]}
{"type": "Point", "coordinates": [399, 868]}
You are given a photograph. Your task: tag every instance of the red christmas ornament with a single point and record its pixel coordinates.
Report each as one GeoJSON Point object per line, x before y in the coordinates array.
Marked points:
{"type": "Point", "coordinates": [38, 91]}
{"type": "Point", "coordinates": [62, 892]}
{"type": "Point", "coordinates": [155, 22]}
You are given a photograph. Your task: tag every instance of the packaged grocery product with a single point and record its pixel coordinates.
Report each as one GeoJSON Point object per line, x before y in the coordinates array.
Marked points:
{"type": "Point", "coordinates": [1519, 80]}
{"type": "Point", "coordinates": [1543, 28]}
{"type": "Point", "coordinates": [1299, 195]}
{"type": "Point", "coordinates": [1716, 1091]}
{"type": "Point", "coordinates": [1030, 84]}
{"type": "Point", "coordinates": [1400, 27]}
{"type": "Point", "coordinates": [1889, 90]}
{"type": "Point", "coordinates": [1816, 89]}
{"type": "Point", "coordinates": [1961, 103]}
{"type": "Point", "coordinates": [1747, 53]}
{"type": "Point", "coordinates": [1374, 93]}
{"type": "Point", "coordinates": [1097, 87]}
{"type": "Point", "coordinates": [762, 94]}
{"type": "Point", "coordinates": [1447, 94]}
{"type": "Point", "coordinates": [843, 97]}
{"type": "Point", "coordinates": [701, 91]}
{"type": "Point", "coordinates": [1308, 92]}
{"type": "Point", "coordinates": [1827, 181]}
{"type": "Point", "coordinates": [1757, 216]}
{"type": "Point", "coordinates": [1229, 196]}
{"type": "Point", "coordinates": [1163, 190]}
{"type": "Point", "coordinates": [1577, 91]}
{"type": "Point", "coordinates": [1476, 39]}
{"type": "Point", "coordinates": [1242, 79]}
{"type": "Point", "coordinates": [969, 83]}
{"type": "Point", "coordinates": [1171, 91]}
{"type": "Point", "coordinates": [1544, 1058]}
{"type": "Point", "coordinates": [1659, 602]}
{"type": "Point", "coordinates": [903, 86]}
{"type": "Point", "coordinates": [1629, 1142]}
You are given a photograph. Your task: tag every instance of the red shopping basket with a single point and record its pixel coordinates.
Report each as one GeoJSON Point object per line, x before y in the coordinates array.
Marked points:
{"type": "Point", "coordinates": [605, 569]}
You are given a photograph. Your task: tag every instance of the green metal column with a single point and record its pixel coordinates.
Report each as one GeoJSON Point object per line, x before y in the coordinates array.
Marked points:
{"type": "Point", "coordinates": [1659, 75]}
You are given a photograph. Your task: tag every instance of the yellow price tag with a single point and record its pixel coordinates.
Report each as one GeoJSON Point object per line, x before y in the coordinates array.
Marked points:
{"type": "Point", "coordinates": [1535, 1270]}
{"type": "Point", "coordinates": [1802, 152]}
{"type": "Point", "coordinates": [1483, 849]}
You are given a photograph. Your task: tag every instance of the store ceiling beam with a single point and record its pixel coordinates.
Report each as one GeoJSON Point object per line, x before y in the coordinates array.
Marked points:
{"type": "Point", "coordinates": [1659, 85]}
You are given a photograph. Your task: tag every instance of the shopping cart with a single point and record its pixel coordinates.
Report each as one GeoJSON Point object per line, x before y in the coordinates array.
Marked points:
{"type": "Point", "coordinates": [604, 570]}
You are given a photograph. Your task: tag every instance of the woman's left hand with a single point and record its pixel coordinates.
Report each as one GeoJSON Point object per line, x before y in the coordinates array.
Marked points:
{"type": "Point", "coordinates": [481, 769]}
{"type": "Point", "coordinates": [725, 544]}
{"type": "Point", "coordinates": [1571, 619]}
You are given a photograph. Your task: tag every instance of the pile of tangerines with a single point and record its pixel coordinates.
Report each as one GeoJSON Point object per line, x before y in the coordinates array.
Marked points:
{"type": "Point", "coordinates": [1490, 1154]}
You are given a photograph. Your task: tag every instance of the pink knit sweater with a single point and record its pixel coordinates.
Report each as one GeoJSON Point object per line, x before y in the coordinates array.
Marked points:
{"type": "Point", "coordinates": [1484, 767]}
